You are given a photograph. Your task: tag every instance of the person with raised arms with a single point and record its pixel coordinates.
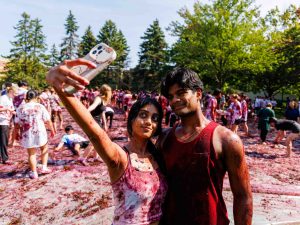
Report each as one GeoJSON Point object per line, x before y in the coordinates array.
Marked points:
{"type": "Point", "coordinates": [135, 170]}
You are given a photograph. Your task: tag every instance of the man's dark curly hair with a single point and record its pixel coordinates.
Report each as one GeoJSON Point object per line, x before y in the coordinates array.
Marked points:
{"type": "Point", "coordinates": [183, 77]}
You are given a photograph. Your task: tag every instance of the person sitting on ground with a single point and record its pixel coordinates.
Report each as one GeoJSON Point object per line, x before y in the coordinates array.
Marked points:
{"type": "Point", "coordinates": [75, 142]}
{"type": "Point", "coordinates": [282, 125]}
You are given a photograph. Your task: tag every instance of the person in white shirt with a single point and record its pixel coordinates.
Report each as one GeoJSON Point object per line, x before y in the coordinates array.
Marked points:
{"type": "Point", "coordinates": [72, 141]}
{"type": "Point", "coordinates": [7, 110]}
{"type": "Point", "coordinates": [45, 99]}
{"type": "Point", "coordinates": [75, 142]}
{"type": "Point", "coordinates": [31, 119]}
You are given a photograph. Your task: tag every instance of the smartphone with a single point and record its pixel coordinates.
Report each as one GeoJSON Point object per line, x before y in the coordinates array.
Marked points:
{"type": "Point", "coordinates": [102, 55]}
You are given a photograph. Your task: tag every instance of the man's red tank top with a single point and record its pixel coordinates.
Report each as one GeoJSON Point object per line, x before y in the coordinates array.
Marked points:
{"type": "Point", "coordinates": [195, 181]}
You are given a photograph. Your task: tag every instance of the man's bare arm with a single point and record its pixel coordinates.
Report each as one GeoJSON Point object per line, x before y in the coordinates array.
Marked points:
{"type": "Point", "coordinates": [234, 157]}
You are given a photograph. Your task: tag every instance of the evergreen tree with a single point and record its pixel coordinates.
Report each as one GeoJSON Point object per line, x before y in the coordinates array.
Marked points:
{"type": "Point", "coordinates": [123, 51]}
{"type": "Point", "coordinates": [70, 42]}
{"type": "Point", "coordinates": [38, 54]}
{"type": "Point", "coordinates": [54, 56]}
{"type": "Point", "coordinates": [39, 46]}
{"type": "Point", "coordinates": [152, 57]}
{"type": "Point", "coordinates": [27, 57]}
{"type": "Point", "coordinates": [88, 41]}
{"type": "Point", "coordinates": [110, 35]}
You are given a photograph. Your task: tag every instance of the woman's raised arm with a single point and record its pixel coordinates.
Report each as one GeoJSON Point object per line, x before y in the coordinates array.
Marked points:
{"type": "Point", "coordinates": [62, 75]}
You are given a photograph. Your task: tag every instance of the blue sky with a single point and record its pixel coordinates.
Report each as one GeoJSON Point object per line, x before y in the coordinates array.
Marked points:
{"type": "Point", "coordinates": [133, 17]}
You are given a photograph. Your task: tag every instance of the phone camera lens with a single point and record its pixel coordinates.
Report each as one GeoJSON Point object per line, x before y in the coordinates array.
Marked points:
{"type": "Point", "coordinates": [94, 52]}
{"type": "Point", "coordinates": [99, 52]}
{"type": "Point", "coordinates": [100, 47]}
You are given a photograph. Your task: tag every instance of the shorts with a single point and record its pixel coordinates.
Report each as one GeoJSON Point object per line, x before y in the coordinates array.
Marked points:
{"type": "Point", "coordinates": [237, 121]}
{"type": "Point", "coordinates": [84, 144]}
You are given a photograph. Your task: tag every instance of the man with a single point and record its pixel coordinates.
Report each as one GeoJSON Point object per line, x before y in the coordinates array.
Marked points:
{"type": "Point", "coordinates": [197, 154]}
{"type": "Point", "coordinates": [283, 125]}
{"type": "Point", "coordinates": [263, 117]}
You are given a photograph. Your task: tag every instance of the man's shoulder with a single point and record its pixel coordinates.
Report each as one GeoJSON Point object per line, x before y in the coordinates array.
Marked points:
{"type": "Point", "coordinates": [224, 139]}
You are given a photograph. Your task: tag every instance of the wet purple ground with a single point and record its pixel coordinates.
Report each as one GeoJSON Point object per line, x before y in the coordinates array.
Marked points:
{"type": "Point", "coordinates": [77, 194]}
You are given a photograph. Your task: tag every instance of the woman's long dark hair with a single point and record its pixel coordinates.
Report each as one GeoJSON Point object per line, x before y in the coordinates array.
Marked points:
{"type": "Point", "coordinates": [133, 113]}
{"type": "Point", "coordinates": [135, 109]}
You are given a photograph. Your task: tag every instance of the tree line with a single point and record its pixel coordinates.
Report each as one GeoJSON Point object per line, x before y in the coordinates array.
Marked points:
{"type": "Point", "coordinates": [227, 42]}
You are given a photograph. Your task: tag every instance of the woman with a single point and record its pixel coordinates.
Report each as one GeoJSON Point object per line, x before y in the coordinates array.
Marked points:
{"type": "Point", "coordinates": [31, 119]}
{"type": "Point", "coordinates": [138, 185]}
{"type": "Point", "coordinates": [236, 112]}
{"type": "Point", "coordinates": [56, 111]}
{"type": "Point", "coordinates": [97, 108]}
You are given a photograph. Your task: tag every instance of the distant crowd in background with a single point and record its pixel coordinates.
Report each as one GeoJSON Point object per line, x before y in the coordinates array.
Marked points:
{"type": "Point", "coordinates": [231, 110]}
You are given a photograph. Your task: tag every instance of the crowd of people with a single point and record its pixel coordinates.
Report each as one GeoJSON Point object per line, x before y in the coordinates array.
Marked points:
{"type": "Point", "coordinates": [181, 143]}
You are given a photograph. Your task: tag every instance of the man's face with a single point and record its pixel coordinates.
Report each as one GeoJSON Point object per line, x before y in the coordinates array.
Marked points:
{"type": "Point", "coordinates": [184, 101]}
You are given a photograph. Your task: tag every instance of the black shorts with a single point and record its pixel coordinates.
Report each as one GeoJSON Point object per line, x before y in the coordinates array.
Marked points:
{"type": "Point", "coordinates": [237, 121]}
{"type": "Point", "coordinates": [84, 144]}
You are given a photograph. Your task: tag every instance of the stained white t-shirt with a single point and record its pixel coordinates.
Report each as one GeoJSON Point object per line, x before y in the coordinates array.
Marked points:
{"type": "Point", "coordinates": [31, 117]}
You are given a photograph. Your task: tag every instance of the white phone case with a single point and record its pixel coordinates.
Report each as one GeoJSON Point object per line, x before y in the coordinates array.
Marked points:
{"type": "Point", "coordinates": [102, 55]}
